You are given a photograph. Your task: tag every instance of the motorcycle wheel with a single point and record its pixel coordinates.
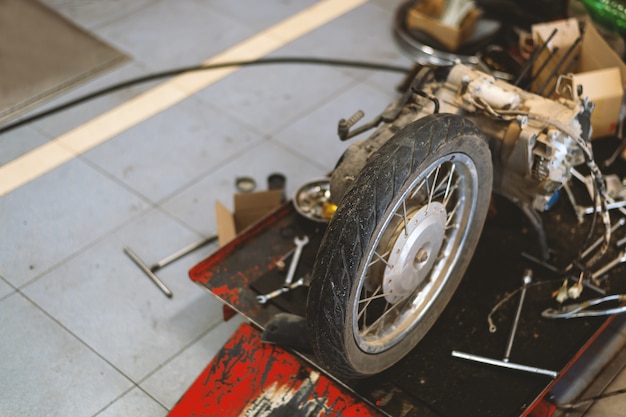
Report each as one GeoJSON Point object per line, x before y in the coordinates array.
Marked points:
{"type": "Point", "coordinates": [398, 245]}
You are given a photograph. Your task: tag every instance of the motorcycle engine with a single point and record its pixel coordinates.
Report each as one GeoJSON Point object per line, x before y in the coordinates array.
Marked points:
{"type": "Point", "coordinates": [532, 138]}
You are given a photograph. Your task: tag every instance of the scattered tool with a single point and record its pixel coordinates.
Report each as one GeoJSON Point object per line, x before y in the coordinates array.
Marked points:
{"type": "Point", "coordinates": [288, 285]}
{"type": "Point", "coordinates": [264, 298]}
{"type": "Point", "coordinates": [300, 244]}
{"type": "Point", "coordinates": [619, 259]}
{"type": "Point", "coordinates": [582, 309]}
{"type": "Point", "coordinates": [527, 279]}
{"type": "Point", "coordinates": [151, 270]}
{"type": "Point", "coordinates": [505, 363]}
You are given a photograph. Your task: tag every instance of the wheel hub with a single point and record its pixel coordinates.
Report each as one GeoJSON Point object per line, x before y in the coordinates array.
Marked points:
{"type": "Point", "coordinates": [414, 252]}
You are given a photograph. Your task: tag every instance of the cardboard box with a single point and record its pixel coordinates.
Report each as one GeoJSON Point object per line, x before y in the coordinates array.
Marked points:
{"type": "Point", "coordinates": [598, 69]}
{"type": "Point", "coordinates": [249, 208]}
{"type": "Point", "coordinates": [603, 87]}
{"type": "Point", "coordinates": [449, 36]}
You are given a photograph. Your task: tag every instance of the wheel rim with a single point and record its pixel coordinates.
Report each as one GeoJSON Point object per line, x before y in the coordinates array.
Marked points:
{"type": "Point", "coordinates": [415, 249]}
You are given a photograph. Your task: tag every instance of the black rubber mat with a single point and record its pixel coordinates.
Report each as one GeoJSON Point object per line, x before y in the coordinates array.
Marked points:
{"type": "Point", "coordinates": [42, 54]}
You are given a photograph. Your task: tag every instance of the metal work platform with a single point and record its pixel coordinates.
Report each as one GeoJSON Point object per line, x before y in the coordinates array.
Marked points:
{"type": "Point", "coordinates": [429, 381]}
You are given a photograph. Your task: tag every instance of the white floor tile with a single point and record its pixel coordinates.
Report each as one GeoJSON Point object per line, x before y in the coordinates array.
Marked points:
{"type": "Point", "coordinates": [107, 301]}
{"type": "Point", "coordinates": [19, 141]}
{"type": "Point", "coordinates": [259, 18]}
{"type": "Point", "coordinates": [196, 205]}
{"type": "Point", "coordinates": [90, 14]}
{"type": "Point", "coordinates": [63, 121]}
{"type": "Point", "coordinates": [285, 93]}
{"type": "Point", "coordinates": [364, 34]}
{"type": "Point", "coordinates": [45, 371]}
{"type": "Point", "coordinates": [611, 406]}
{"type": "Point", "coordinates": [315, 136]}
{"type": "Point", "coordinates": [170, 383]}
{"type": "Point", "coordinates": [164, 36]}
{"type": "Point", "coordinates": [134, 404]}
{"type": "Point", "coordinates": [172, 149]}
{"type": "Point", "coordinates": [57, 215]}
{"type": "Point", "coordinates": [5, 288]}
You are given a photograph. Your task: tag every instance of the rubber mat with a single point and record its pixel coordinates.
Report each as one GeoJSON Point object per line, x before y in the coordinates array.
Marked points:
{"type": "Point", "coordinates": [42, 55]}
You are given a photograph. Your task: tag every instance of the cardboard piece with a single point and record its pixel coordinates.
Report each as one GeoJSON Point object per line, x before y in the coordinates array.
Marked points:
{"type": "Point", "coordinates": [598, 69]}
{"type": "Point", "coordinates": [248, 209]}
{"type": "Point", "coordinates": [603, 89]}
{"type": "Point", "coordinates": [556, 55]}
{"type": "Point", "coordinates": [449, 36]}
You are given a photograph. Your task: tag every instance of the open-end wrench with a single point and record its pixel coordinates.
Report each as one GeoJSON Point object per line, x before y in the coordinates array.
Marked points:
{"type": "Point", "coordinates": [300, 244]}
{"type": "Point", "coordinates": [264, 298]}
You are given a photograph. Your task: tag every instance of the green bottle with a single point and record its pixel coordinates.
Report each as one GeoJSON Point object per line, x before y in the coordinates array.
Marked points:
{"type": "Point", "coordinates": [610, 14]}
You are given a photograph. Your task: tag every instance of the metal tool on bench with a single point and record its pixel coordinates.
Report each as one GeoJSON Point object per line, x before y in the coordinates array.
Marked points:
{"type": "Point", "coordinates": [583, 310]}
{"type": "Point", "coordinates": [597, 276]}
{"type": "Point", "coordinates": [288, 285]}
{"type": "Point", "coordinates": [152, 269]}
{"type": "Point", "coordinates": [505, 363]}
{"type": "Point", "coordinates": [264, 298]}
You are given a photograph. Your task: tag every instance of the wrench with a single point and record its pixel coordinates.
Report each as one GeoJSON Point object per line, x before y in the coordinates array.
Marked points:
{"type": "Point", "coordinates": [300, 244]}
{"type": "Point", "coordinates": [264, 298]}
{"type": "Point", "coordinates": [621, 258]}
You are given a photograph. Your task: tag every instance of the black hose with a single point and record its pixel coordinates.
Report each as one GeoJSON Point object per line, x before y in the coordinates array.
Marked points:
{"type": "Point", "coordinates": [194, 68]}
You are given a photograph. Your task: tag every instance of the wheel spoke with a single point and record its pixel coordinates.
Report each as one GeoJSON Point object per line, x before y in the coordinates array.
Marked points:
{"type": "Point", "coordinates": [387, 310]}
{"type": "Point", "coordinates": [363, 311]}
{"type": "Point", "coordinates": [406, 223]}
{"type": "Point", "coordinates": [432, 191]}
{"type": "Point", "coordinates": [418, 188]}
{"type": "Point", "coordinates": [452, 213]}
{"type": "Point", "coordinates": [381, 258]}
{"type": "Point", "coordinates": [373, 297]}
{"type": "Point", "coordinates": [450, 175]}
{"type": "Point", "coordinates": [444, 180]}
{"type": "Point", "coordinates": [452, 226]}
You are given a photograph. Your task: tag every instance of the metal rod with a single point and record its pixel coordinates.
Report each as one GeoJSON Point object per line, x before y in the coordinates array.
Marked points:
{"type": "Point", "coordinates": [534, 58]}
{"type": "Point", "coordinates": [142, 265]}
{"type": "Point", "coordinates": [559, 65]}
{"type": "Point", "coordinates": [183, 252]}
{"type": "Point", "coordinates": [527, 279]}
{"type": "Point", "coordinates": [598, 241]}
{"type": "Point", "coordinates": [543, 66]}
{"type": "Point", "coordinates": [503, 364]}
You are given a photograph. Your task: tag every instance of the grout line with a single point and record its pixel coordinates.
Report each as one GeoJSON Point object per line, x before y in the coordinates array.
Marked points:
{"type": "Point", "coordinates": [35, 163]}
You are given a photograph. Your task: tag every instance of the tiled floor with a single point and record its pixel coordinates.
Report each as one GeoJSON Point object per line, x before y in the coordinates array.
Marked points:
{"type": "Point", "coordinates": [82, 331]}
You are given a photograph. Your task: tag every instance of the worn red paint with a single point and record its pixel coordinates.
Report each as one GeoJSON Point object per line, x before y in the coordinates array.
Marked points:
{"type": "Point", "coordinates": [248, 377]}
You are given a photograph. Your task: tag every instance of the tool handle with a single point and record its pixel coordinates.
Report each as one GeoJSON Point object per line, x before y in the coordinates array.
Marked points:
{"type": "Point", "coordinates": [183, 252]}
{"type": "Point", "coordinates": [132, 255]}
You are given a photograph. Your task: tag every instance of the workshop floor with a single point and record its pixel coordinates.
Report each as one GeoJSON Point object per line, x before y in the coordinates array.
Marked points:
{"type": "Point", "coordinates": [83, 332]}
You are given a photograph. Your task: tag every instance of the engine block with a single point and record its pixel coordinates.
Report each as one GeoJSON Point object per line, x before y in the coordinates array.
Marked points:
{"type": "Point", "coordinates": [530, 136]}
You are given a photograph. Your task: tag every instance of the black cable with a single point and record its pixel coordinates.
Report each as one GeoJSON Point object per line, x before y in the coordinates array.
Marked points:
{"type": "Point", "coordinates": [177, 71]}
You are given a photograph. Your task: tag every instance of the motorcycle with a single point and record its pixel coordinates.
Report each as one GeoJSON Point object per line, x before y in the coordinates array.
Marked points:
{"type": "Point", "coordinates": [410, 201]}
